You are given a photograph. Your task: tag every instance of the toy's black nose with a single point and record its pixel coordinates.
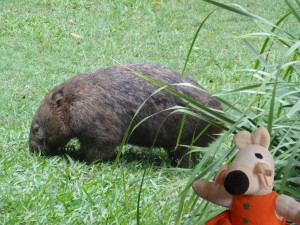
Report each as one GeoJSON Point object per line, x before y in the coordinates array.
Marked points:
{"type": "Point", "coordinates": [236, 182]}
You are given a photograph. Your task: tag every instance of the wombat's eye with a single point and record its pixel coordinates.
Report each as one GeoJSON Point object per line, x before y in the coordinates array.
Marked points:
{"type": "Point", "coordinates": [35, 128]}
{"type": "Point", "coordinates": [258, 155]}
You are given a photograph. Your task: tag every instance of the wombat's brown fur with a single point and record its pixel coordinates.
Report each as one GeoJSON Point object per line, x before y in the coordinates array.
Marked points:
{"type": "Point", "coordinates": [97, 108]}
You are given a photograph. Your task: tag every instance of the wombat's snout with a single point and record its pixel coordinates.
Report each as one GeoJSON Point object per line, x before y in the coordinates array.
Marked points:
{"type": "Point", "coordinates": [236, 182]}
{"type": "Point", "coordinates": [33, 146]}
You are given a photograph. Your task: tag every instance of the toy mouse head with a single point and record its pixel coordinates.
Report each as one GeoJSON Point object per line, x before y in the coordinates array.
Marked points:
{"type": "Point", "coordinates": [252, 170]}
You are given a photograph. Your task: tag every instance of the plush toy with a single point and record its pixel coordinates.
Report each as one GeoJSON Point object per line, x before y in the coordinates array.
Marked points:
{"type": "Point", "coordinates": [245, 186]}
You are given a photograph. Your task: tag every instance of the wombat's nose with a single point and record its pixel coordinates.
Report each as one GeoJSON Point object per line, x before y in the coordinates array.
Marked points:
{"type": "Point", "coordinates": [33, 146]}
{"type": "Point", "coordinates": [236, 182]}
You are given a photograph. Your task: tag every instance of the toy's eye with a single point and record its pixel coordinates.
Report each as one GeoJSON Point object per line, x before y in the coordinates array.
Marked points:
{"type": "Point", "coordinates": [258, 155]}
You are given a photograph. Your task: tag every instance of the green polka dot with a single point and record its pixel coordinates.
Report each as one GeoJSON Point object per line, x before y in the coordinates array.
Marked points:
{"type": "Point", "coordinates": [246, 221]}
{"type": "Point", "coordinates": [247, 206]}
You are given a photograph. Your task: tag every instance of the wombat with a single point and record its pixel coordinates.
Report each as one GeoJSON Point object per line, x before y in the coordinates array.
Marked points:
{"type": "Point", "coordinates": [97, 108]}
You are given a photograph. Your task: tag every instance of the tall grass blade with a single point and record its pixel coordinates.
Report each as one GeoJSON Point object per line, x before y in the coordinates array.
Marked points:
{"type": "Point", "coordinates": [287, 168]}
{"type": "Point", "coordinates": [129, 129]}
{"type": "Point", "coordinates": [257, 55]}
{"type": "Point", "coordinates": [287, 55]}
{"type": "Point", "coordinates": [272, 105]}
{"type": "Point", "coordinates": [194, 40]}
{"type": "Point", "coordinates": [139, 198]}
{"type": "Point", "coordinates": [193, 103]}
{"type": "Point", "coordinates": [296, 14]}
{"type": "Point", "coordinates": [241, 12]}
{"type": "Point", "coordinates": [294, 109]}
{"type": "Point", "coordinates": [126, 199]}
{"type": "Point", "coordinates": [181, 129]}
{"type": "Point", "coordinates": [206, 167]}
{"type": "Point", "coordinates": [267, 40]}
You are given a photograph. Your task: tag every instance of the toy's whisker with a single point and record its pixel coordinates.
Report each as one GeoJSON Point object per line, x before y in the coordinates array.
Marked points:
{"type": "Point", "coordinates": [262, 170]}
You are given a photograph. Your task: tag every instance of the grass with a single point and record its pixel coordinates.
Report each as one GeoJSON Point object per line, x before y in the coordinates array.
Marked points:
{"type": "Point", "coordinates": [38, 51]}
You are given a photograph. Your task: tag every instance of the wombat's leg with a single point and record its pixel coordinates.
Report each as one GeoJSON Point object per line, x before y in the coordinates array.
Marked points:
{"type": "Point", "coordinates": [104, 152]}
{"type": "Point", "coordinates": [181, 157]}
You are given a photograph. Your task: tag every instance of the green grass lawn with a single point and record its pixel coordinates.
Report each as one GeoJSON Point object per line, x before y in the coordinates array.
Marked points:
{"type": "Point", "coordinates": [38, 49]}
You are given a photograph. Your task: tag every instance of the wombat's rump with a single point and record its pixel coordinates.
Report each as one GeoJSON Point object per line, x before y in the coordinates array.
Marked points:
{"type": "Point", "coordinates": [97, 108]}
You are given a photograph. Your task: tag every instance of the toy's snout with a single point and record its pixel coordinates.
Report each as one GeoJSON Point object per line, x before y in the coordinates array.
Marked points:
{"type": "Point", "coordinates": [236, 182]}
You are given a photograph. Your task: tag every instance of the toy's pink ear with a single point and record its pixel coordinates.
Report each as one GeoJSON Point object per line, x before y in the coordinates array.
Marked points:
{"type": "Point", "coordinates": [242, 139]}
{"type": "Point", "coordinates": [262, 137]}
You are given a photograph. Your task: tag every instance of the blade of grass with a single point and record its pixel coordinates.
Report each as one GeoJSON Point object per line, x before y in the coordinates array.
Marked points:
{"type": "Point", "coordinates": [208, 169]}
{"type": "Point", "coordinates": [267, 40]}
{"type": "Point", "coordinates": [241, 12]}
{"type": "Point", "coordinates": [126, 201]}
{"type": "Point", "coordinates": [287, 168]}
{"type": "Point", "coordinates": [194, 40]}
{"type": "Point", "coordinates": [181, 128]}
{"type": "Point", "coordinates": [290, 52]}
{"type": "Point", "coordinates": [257, 55]}
{"type": "Point", "coordinates": [293, 10]}
{"type": "Point", "coordinates": [294, 109]}
{"type": "Point", "coordinates": [129, 129]}
{"type": "Point", "coordinates": [139, 198]}
{"type": "Point", "coordinates": [191, 102]}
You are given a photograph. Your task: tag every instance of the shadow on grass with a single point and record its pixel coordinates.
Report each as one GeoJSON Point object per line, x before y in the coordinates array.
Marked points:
{"type": "Point", "coordinates": [148, 157]}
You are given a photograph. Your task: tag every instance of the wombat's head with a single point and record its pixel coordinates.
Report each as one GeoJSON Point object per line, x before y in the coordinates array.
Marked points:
{"type": "Point", "coordinates": [252, 170]}
{"type": "Point", "coordinates": [48, 130]}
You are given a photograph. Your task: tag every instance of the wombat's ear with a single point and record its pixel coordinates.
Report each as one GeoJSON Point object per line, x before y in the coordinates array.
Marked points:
{"type": "Point", "coordinates": [242, 139]}
{"type": "Point", "coordinates": [262, 137]}
{"type": "Point", "coordinates": [58, 97]}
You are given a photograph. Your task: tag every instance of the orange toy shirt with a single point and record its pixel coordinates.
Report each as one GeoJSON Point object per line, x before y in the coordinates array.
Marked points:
{"type": "Point", "coordinates": [252, 210]}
